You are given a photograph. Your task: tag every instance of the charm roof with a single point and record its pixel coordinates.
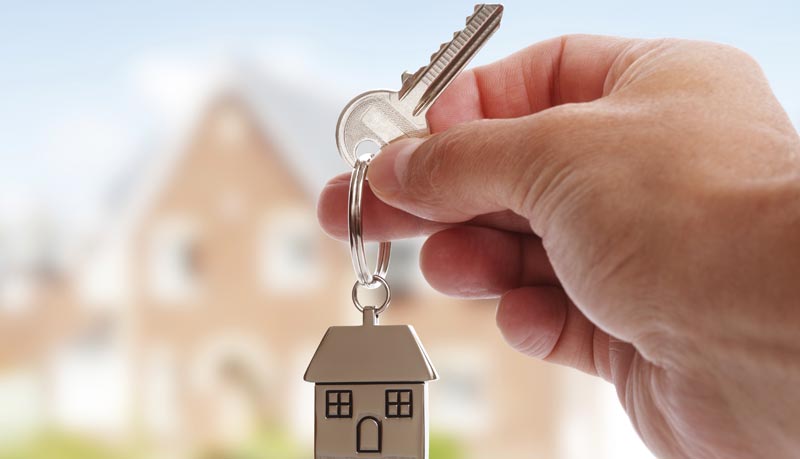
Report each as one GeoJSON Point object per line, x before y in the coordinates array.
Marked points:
{"type": "Point", "coordinates": [370, 353]}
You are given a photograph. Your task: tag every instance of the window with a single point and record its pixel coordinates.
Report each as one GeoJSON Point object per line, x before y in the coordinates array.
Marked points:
{"type": "Point", "coordinates": [339, 404]}
{"type": "Point", "coordinates": [399, 404]}
{"type": "Point", "coordinates": [174, 269]}
{"type": "Point", "coordinates": [289, 252]}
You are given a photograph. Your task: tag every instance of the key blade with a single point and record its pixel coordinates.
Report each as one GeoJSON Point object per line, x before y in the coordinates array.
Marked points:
{"type": "Point", "coordinates": [453, 56]}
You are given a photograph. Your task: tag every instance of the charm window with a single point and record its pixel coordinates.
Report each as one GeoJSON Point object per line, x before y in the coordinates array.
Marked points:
{"type": "Point", "coordinates": [339, 404]}
{"type": "Point", "coordinates": [399, 404]}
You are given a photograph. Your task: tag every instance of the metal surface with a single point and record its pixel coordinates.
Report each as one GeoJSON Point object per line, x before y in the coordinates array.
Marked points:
{"type": "Point", "coordinates": [398, 438]}
{"type": "Point", "coordinates": [370, 353]}
{"type": "Point", "coordinates": [357, 254]}
{"type": "Point", "coordinates": [378, 309]}
{"type": "Point", "coordinates": [383, 116]}
{"type": "Point", "coordinates": [371, 396]}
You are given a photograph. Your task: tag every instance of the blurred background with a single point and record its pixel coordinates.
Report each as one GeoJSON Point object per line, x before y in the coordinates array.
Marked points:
{"type": "Point", "coordinates": [163, 280]}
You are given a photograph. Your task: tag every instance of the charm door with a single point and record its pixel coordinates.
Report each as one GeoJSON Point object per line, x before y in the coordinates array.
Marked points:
{"type": "Point", "coordinates": [369, 435]}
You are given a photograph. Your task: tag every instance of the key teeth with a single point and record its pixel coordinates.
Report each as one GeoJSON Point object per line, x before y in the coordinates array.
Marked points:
{"type": "Point", "coordinates": [469, 18]}
{"type": "Point", "coordinates": [410, 79]}
{"type": "Point", "coordinates": [441, 47]}
{"type": "Point", "coordinates": [496, 6]}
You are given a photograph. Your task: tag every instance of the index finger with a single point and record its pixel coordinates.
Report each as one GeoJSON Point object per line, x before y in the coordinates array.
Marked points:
{"type": "Point", "coordinates": [562, 70]}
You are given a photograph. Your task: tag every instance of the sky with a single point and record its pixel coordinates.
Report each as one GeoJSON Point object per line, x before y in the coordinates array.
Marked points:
{"type": "Point", "coordinates": [87, 87]}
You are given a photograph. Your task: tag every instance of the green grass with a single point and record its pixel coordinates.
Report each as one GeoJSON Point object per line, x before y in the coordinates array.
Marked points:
{"type": "Point", "coordinates": [445, 447]}
{"type": "Point", "coordinates": [268, 443]}
{"type": "Point", "coordinates": [59, 445]}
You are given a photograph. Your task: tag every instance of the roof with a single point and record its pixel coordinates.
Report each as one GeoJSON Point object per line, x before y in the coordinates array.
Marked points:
{"type": "Point", "coordinates": [296, 116]}
{"type": "Point", "coordinates": [370, 353]}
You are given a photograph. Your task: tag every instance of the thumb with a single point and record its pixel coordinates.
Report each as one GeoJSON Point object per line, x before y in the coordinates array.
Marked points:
{"type": "Point", "coordinates": [478, 167]}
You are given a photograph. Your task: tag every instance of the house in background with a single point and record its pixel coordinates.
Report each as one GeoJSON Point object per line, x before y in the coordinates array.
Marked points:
{"type": "Point", "coordinates": [193, 322]}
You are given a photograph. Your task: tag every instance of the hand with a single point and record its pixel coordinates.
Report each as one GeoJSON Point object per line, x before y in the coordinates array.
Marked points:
{"type": "Point", "coordinates": [636, 207]}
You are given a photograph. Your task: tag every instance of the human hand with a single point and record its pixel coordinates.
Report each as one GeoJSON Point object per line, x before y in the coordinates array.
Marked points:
{"type": "Point", "coordinates": [636, 206]}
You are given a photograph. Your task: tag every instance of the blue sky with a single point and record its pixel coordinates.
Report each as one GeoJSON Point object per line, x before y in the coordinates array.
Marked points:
{"type": "Point", "coordinates": [84, 85]}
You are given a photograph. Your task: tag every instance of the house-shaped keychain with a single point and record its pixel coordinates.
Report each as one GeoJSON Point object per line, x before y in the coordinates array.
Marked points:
{"type": "Point", "coordinates": [371, 392]}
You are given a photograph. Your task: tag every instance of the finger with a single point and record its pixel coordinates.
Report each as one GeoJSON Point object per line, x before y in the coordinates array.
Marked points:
{"type": "Point", "coordinates": [481, 167]}
{"type": "Point", "coordinates": [543, 323]}
{"type": "Point", "coordinates": [557, 71]}
{"type": "Point", "coordinates": [380, 221]}
{"type": "Point", "coordinates": [473, 262]}
{"type": "Point", "coordinates": [383, 222]}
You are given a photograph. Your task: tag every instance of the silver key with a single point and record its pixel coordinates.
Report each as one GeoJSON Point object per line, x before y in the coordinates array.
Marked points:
{"type": "Point", "coordinates": [382, 116]}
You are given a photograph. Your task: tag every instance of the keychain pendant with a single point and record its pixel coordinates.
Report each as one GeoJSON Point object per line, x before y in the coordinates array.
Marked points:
{"type": "Point", "coordinates": [371, 395]}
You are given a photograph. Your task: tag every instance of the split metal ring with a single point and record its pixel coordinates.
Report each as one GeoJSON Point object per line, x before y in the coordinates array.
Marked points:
{"type": "Point", "coordinates": [365, 277]}
{"type": "Point", "coordinates": [380, 281]}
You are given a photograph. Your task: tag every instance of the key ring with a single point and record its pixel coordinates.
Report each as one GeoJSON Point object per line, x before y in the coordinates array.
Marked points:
{"type": "Point", "coordinates": [357, 253]}
{"type": "Point", "coordinates": [382, 283]}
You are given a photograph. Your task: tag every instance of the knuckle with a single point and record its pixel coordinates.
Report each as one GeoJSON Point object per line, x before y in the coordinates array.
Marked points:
{"type": "Point", "coordinates": [733, 53]}
{"type": "Point", "coordinates": [559, 144]}
{"type": "Point", "coordinates": [439, 162]}
{"type": "Point", "coordinates": [432, 165]}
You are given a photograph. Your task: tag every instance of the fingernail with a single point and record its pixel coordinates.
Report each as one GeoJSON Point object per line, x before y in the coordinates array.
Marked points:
{"type": "Point", "coordinates": [388, 169]}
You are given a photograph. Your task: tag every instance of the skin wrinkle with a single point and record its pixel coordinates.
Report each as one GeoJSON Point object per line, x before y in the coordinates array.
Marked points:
{"type": "Point", "coordinates": [555, 83]}
{"type": "Point", "coordinates": [592, 351]}
{"type": "Point", "coordinates": [481, 84]}
{"type": "Point", "coordinates": [531, 181]}
{"type": "Point", "coordinates": [577, 363]}
{"type": "Point", "coordinates": [513, 163]}
{"type": "Point", "coordinates": [657, 377]}
{"type": "Point", "coordinates": [600, 358]}
{"type": "Point", "coordinates": [529, 344]}
{"type": "Point", "coordinates": [504, 219]}
{"type": "Point", "coordinates": [631, 51]}
{"type": "Point", "coordinates": [644, 371]}
{"type": "Point", "coordinates": [555, 181]}
{"type": "Point", "coordinates": [620, 360]}
{"type": "Point", "coordinates": [527, 80]}
{"type": "Point", "coordinates": [531, 245]}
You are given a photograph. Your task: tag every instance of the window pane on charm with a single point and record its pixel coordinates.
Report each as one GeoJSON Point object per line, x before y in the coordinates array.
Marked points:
{"type": "Point", "coordinates": [339, 404]}
{"type": "Point", "coordinates": [399, 404]}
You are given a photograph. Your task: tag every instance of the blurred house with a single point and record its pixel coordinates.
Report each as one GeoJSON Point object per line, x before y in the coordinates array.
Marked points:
{"type": "Point", "coordinates": [191, 324]}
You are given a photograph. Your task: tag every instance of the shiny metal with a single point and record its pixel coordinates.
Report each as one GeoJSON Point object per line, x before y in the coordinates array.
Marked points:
{"type": "Point", "coordinates": [378, 309]}
{"type": "Point", "coordinates": [354, 200]}
{"type": "Point", "coordinates": [382, 116]}
{"type": "Point", "coordinates": [371, 394]}
{"type": "Point", "coordinates": [370, 315]}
